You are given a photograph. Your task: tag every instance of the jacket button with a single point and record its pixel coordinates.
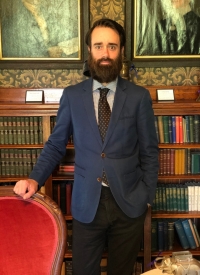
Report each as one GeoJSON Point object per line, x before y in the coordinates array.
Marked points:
{"type": "Point", "coordinates": [99, 179]}
{"type": "Point", "coordinates": [103, 155]}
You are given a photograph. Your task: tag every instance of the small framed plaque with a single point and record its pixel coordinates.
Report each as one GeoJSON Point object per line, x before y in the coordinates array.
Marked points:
{"type": "Point", "coordinates": [165, 94]}
{"type": "Point", "coordinates": [52, 95]}
{"type": "Point", "coordinates": [34, 95]}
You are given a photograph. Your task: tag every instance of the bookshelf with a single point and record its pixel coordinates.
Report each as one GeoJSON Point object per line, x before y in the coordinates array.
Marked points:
{"type": "Point", "coordinates": [184, 104]}
{"type": "Point", "coordinates": [12, 104]}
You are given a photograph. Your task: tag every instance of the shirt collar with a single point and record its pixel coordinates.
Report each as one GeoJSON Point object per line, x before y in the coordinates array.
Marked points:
{"type": "Point", "coordinates": [111, 85]}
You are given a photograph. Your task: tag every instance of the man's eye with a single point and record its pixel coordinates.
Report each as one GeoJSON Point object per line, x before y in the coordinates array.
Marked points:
{"type": "Point", "coordinates": [97, 47]}
{"type": "Point", "coordinates": [112, 47]}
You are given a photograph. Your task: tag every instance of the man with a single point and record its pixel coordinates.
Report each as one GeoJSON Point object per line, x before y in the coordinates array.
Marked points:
{"type": "Point", "coordinates": [179, 32]}
{"type": "Point", "coordinates": [116, 168]}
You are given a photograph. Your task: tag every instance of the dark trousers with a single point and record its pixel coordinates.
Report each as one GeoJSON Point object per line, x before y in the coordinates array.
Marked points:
{"type": "Point", "coordinates": [123, 235]}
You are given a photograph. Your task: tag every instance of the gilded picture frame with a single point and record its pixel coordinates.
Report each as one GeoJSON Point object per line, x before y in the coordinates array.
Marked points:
{"type": "Point", "coordinates": [165, 30]}
{"type": "Point", "coordinates": [43, 32]}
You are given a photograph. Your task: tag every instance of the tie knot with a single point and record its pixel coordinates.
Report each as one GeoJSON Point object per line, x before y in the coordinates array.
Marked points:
{"type": "Point", "coordinates": [103, 92]}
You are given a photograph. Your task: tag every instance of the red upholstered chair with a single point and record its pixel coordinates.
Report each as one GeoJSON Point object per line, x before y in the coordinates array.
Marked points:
{"type": "Point", "coordinates": [32, 235]}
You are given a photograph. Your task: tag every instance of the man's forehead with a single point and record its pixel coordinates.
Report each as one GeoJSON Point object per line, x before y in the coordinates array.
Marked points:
{"type": "Point", "coordinates": [102, 34]}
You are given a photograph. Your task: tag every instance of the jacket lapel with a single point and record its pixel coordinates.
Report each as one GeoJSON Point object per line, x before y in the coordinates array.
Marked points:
{"type": "Point", "coordinates": [119, 100]}
{"type": "Point", "coordinates": [89, 106]}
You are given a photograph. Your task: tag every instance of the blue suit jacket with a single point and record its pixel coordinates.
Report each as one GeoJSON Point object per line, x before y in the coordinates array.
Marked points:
{"type": "Point", "coordinates": [130, 149]}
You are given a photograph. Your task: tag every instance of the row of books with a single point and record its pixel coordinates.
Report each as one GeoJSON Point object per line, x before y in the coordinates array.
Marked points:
{"type": "Point", "coordinates": [18, 162]}
{"type": "Point", "coordinates": [52, 125]}
{"type": "Point", "coordinates": [62, 191]}
{"type": "Point", "coordinates": [166, 233]}
{"type": "Point", "coordinates": [177, 197]}
{"type": "Point", "coordinates": [179, 161]}
{"type": "Point", "coordinates": [21, 130]}
{"type": "Point", "coordinates": [187, 233]}
{"type": "Point", "coordinates": [178, 129]}
{"type": "Point", "coordinates": [171, 197]}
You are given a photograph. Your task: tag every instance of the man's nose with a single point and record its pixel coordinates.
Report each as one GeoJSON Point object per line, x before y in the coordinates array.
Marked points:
{"type": "Point", "coordinates": [105, 52]}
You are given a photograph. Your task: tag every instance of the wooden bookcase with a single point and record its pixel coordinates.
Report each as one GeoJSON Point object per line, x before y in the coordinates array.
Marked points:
{"type": "Point", "coordinates": [184, 104]}
{"type": "Point", "coordinates": [12, 103]}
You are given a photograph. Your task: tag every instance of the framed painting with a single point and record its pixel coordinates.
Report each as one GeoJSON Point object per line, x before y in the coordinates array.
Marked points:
{"type": "Point", "coordinates": [43, 32]}
{"type": "Point", "coordinates": [166, 29]}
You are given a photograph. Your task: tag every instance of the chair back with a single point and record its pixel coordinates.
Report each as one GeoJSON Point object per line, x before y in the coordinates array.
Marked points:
{"type": "Point", "coordinates": [32, 234]}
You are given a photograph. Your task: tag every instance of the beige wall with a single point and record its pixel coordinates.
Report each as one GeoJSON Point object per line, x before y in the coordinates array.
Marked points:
{"type": "Point", "coordinates": [62, 78]}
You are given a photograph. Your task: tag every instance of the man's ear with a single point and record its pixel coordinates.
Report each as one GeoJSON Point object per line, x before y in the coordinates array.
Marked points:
{"type": "Point", "coordinates": [122, 51]}
{"type": "Point", "coordinates": [88, 49]}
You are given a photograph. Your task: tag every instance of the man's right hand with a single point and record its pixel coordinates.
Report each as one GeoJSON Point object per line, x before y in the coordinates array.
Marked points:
{"type": "Point", "coordinates": [26, 188]}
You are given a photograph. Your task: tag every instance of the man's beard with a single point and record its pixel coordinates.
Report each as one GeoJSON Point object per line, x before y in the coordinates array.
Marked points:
{"type": "Point", "coordinates": [105, 73]}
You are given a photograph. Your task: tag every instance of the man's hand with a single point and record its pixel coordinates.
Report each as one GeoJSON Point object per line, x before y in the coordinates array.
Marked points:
{"type": "Point", "coordinates": [26, 188]}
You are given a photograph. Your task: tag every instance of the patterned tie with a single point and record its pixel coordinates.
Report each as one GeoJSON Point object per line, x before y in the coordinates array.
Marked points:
{"type": "Point", "coordinates": [103, 118]}
{"type": "Point", "coordinates": [103, 112]}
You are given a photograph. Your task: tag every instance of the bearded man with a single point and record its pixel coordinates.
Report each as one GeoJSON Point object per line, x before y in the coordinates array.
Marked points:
{"type": "Point", "coordinates": [116, 157]}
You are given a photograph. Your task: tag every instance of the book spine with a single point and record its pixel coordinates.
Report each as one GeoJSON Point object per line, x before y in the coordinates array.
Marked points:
{"type": "Point", "coordinates": [27, 133]}
{"type": "Point", "coordinates": [160, 235]}
{"type": "Point", "coordinates": [177, 129]}
{"type": "Point", "coordinates": [166, 128]}
{"type": "Point", "coordinates": [191, 125]}
{"type": "Point", "coordinates": [160, 129]}
{"type": "Point", "coordinates": [5, 126]}
{"type": "Point", "coordinates": [170, 130]}
{"type": "Point", "coordinates": [154, 232]}
{"type": "Point", "coordinates": [181, 234]}
{"type": "Point", "coordinates": [193, 233]}
{"type": "Point", "coordinates": [23, 136]}
{"type": "Point", "coordinates": [196, 129]}
{"type": "Point", "coordinates": [156, 127]}
{"type": "Point", "coordinates": [180, 129]}
{"type": "Point", "coordinates": [188, 232]}
{"type": "Point", "coordinates": [171, 235]}
{"type": "Point", "coordinates": [173, 129]}
{"type": "Point", "coordinates": [40, 133]}
{"type": "Point", "coordinates": [19, 136]}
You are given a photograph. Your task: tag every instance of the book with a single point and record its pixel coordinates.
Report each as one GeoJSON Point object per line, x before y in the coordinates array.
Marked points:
{"type": "Point", "coordinates": [191, 128]}
{"type": "Point", "coordinates": [69, 235]}
{"type": "Point", "coordinates": [193, 232]}
{"type": "Point", "coordinates": [160, 229]}
{"type": "Point", "coordinates": [68, 198]}
{"type": "Point", "coordinates": [170, 129]}
{"type": "Point", "coordinates": [63, 196]}
{"type": "Point", "coordinates": [63, 269]}
{"type": "Point", "coordinates": [156, 127]}
{"type": "Point", "coordinates": [173, 129]}
{"type": "Point", "coordinates": [160, 129]}
{"type": "Point", "coordinates": [177, 129]}
{"type": "Point", "coordinates": [165, 234]}
{"type": "Point", "coordinates": [187, 126]}
{"type": "Point", "coordinates": [68, 267]}
{"type": "Point", "coordinates": [154, 232]}
{"type": "Point", "coordinates": [196, 129]}
{"type": "Point", "coordinates": [181, 234]}
{"type": "Point", "coordinates": [180, 129]}
{"type": "Point", "coordinates": [103, 266]}
{"type": "Point", "coordinates": [171, 234]}
{"type": "Point", "coordinates": [196, 232]}
{"type": "Point", "coordinates": [166, 128]}
{"type": "Point", "coordinates": [188, 232]}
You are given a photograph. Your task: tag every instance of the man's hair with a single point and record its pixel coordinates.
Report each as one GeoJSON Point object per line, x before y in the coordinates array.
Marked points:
{"type": "Point", "coordinates": [108, 23]}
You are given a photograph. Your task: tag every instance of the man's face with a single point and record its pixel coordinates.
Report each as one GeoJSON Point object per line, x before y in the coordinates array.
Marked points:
{"type": "Point", "coordinates": [179, 3]}
{"type": "Point", "coordinates": [105, 56]}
